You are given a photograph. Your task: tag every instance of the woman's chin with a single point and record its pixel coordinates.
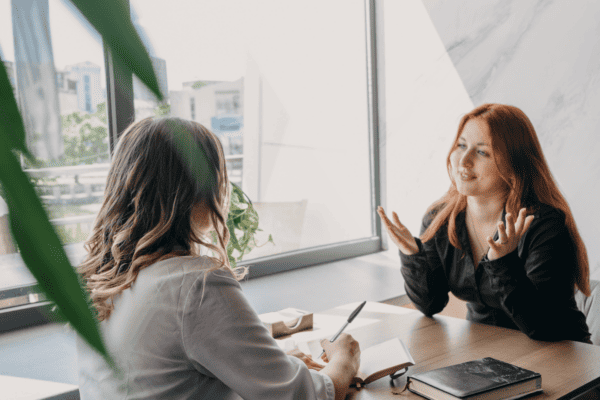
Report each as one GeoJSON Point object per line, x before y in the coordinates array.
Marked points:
{"type": "Point", "coordinates": [466, 189]}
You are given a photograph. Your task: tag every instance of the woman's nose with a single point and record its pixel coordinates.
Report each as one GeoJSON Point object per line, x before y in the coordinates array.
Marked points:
{"type": "Point", "coordinates": [467, 159]}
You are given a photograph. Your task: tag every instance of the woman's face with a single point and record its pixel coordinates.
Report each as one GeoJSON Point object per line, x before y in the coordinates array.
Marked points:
{"type": "Point", "coordinates": [472, 162]}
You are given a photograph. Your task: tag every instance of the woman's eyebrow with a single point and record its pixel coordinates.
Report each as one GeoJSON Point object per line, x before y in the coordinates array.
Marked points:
{"type": "Point", "coordinates": [478, 144]}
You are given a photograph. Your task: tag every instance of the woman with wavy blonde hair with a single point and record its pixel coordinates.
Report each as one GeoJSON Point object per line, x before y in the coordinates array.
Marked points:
{"type": "Point", "coordinates": [502, 238]}
{"type": "Point", "coordinates": [175, 321]}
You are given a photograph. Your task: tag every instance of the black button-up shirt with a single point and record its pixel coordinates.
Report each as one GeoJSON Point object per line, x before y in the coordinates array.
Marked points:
{"type": "Point", "coordinates": [531, 289]}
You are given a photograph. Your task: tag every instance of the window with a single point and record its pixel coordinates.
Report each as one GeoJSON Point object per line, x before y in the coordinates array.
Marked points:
{"type": "Point", "coordinates": [295, 123]}
{"type": "Point", "coordinates": [228, 102]}
{"type": "Point", "coordinates": [291, 109]}
{"type": "Point", "coordinates": [72, 187]}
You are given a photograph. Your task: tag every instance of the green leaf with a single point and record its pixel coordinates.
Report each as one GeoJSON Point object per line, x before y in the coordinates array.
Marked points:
{"type": "Point", "coordinates": [111, 18]}
{"type": "Point", "coordinates": [42, 251]}
{"type": "Point", "coordinates": [10, 118]}
{"type": "Point", "coordinates": [233, 240]}
{"type": "Point", "coordinates": [242, 218]}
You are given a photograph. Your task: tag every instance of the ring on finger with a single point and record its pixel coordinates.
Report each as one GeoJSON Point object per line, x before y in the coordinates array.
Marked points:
{"type": "Point", "coordinates": [503, 242]}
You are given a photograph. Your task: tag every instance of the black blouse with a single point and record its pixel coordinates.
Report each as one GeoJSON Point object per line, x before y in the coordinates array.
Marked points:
{"type": "Point", "coordinates": [530, 289]}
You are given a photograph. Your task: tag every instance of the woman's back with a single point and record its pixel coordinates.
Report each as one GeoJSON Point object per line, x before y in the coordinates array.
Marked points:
{"type": "Point", "coordinates": [176, 323]}
{"type": "Point", "coordinates": [174, 337]}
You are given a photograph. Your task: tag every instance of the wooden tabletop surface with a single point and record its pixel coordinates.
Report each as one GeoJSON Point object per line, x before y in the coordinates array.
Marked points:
{"type": "Point", "coordinates": [567, 368]}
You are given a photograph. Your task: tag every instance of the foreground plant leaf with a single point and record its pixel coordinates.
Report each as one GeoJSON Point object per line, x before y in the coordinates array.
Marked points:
{"type": "Point", "coordinates": [42, 251]}
{"type": "Point", "coordinates": [40, 247]}
{"type": "Point", "coordinates": [111, 18]}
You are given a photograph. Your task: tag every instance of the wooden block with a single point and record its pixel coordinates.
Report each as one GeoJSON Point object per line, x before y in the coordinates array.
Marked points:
{"type": "Point", "coordinates": [287, 321]}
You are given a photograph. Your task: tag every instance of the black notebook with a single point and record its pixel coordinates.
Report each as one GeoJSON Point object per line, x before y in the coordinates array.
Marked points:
{"type": "Point", "coordinates": [487, 378]}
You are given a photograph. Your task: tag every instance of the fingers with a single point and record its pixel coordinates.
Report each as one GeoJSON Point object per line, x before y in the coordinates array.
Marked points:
{"type": "Point", "coordinates": [510, 225]}
{"type": "Point", "coordinates": [384, 218]}
{"type": "Point", "coordinates": [509, 234]}
{"type": "Point", "coordinates": [520, 220]}
{"type": "Point", "coordinates": [514, 229]}
{"type": "Point", "coordinates": [493, 244]}
{"type": "Point", "coordinates": [396, 219]}
{"type": "Point", "coordinates": [528, 222]}
{"type": "Point", "coordinates": [313, 365]}
{"type": "Point", "coordinates": [390, 227]}
{"type": "Point", "coordinates": [310, 363]}
{"type": "Point", "coordinates": [502, 237]}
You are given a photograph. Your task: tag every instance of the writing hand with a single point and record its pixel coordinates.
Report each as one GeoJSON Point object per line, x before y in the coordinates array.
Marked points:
{"type": "Point", "coordinates": [509, 235]}
{"type": "Point", "coordinates": [399, 234]}
{"type": "Point", "coordinates": [344, 348]}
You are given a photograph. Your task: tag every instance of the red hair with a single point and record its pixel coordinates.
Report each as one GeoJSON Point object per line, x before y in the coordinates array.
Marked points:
{"type": "Point", "coordinates": [521, 162]}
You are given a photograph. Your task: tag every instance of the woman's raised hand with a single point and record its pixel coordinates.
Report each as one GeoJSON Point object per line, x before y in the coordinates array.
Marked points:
{"type": "Point", "coordinates": [509, 235]}
{"type": "Point", "coordinates": [399, 234]}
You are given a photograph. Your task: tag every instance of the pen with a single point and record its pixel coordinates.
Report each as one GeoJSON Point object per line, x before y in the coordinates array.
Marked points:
{"type": "Point", "coordinates": [350, 319]}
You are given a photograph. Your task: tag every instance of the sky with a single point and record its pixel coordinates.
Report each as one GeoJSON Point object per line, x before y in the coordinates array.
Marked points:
{"type": "Point", "coordinates": [200, 40]}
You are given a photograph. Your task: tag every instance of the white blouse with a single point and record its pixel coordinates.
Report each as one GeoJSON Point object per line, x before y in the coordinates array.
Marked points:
{"type": "Point", "coordinates": [174, 337]}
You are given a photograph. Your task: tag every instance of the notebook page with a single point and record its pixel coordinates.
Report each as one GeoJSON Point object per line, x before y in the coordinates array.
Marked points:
{"type": "Point", "coordinates": [383, 355]}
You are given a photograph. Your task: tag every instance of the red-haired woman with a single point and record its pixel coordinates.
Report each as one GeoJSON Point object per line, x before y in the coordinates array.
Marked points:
{"type": "Point", "coordinates": [177, 323]}
{"type": "Point", "coordinates": [502, 238]}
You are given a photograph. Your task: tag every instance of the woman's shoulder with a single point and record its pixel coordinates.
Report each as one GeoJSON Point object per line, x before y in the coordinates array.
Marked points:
{"type": "Point", "coordinates": [190, 269]}
{"type": "Point", "coordinates": [547, 214]}
{"type": "Point", "coordinates": [548, 223]}
{"type": "Point", "coordinates": [200, 266]}
{"type": "Point", "coordinates": [431, 213]}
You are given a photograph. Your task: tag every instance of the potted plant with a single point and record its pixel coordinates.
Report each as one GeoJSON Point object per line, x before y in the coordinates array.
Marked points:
{"type": "Point", "coordinates": [242, 223]}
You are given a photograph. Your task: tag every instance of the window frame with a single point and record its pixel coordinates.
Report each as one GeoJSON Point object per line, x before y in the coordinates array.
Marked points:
{"type": "Point", "coordinates": [121, 112]}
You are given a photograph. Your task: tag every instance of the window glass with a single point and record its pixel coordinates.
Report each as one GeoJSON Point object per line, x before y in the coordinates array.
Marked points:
{"type": "Point", "coordinates": [284, 86]}
{"type": "Point", "coordinates": [71, 187]}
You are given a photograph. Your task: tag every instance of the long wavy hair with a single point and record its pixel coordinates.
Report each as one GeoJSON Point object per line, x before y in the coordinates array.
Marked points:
{"type": "Point", "coordinates": [519, 158]}
{"type": "Point", "coordinates": [162, 169]}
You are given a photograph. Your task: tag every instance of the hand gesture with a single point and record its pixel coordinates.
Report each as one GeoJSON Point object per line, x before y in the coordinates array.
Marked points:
{"type": "Point", "coordinates": [399, 234]}
{"type": "Point", "coordinates": [509, 235]}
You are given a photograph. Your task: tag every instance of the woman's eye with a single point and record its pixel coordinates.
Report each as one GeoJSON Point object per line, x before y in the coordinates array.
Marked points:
{"type": "Point", "coordinates": [483, 153]}
{"type": "Point", "coordinates": [461, 146]}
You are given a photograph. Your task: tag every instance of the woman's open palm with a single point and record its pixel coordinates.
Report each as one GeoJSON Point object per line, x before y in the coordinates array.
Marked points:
{"type": "Point", "coordinates": [509, 235]}
{"type": "Point", "coordinates": [399, 234]}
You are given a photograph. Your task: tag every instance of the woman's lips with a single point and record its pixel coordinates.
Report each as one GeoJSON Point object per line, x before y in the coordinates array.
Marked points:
{"type": "Point", "coordinates": [466, 176]}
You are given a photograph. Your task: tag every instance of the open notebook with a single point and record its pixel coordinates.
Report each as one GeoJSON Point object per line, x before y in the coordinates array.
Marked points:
{"type": "Point", "coordinates": [381, 360]}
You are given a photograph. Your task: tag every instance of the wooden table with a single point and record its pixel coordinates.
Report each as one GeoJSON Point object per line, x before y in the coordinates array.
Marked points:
{"type": "Point", "coordinates": [568, 368]}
